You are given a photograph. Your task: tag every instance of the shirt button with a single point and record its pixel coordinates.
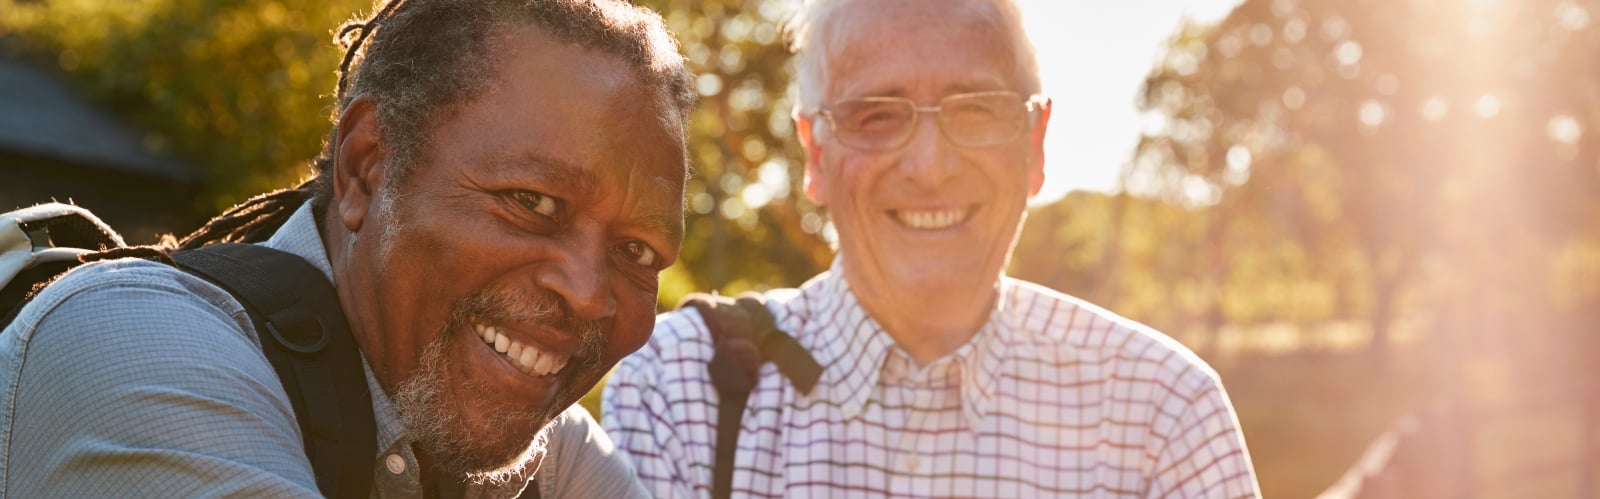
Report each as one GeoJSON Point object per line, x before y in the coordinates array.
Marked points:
{"type": "Point", "coordinates": [912, 462]}
{"type": "Point", "coordinates": [395, 463]}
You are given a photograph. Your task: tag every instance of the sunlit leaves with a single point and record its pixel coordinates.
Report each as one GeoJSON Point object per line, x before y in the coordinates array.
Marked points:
{"type": "Point", "coordinates": [236, 87]}
{"type": "Point", "coordinates": [1375, 136]}
{"type": "Point", "coordinates": [241, 88]}
{"type": "Point", "coordinates": [748, 228]}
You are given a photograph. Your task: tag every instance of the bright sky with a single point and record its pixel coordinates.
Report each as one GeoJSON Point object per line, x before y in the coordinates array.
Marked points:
{"type": "Point", "coordinates": [1093, 57]}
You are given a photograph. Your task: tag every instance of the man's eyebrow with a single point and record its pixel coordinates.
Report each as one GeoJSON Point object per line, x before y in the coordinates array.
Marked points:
{"type": "Point", "coordinates": [587, 184]}
{"type": "Point", "coordinates": [960, 87]}
{"type": "Point", "coordinates": [662, 220]}
{"type": "Point", "coordinates": [976, 85]}
{"type": "Point", "coordinates": [550, 169]}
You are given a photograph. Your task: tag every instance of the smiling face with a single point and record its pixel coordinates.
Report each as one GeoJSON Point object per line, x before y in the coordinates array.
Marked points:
{"type": "Point", "coordinates": [924, 230]}
{"type": "Point", "coordinates": [518, 260]}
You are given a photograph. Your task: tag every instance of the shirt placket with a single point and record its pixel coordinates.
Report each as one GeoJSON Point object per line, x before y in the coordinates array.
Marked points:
{"type": "Point", "coordinates": [397, 473]}
{"type": "Point", "coordinates": [900, 400]}
{"type": "Point", "coordinates": [920, 391]}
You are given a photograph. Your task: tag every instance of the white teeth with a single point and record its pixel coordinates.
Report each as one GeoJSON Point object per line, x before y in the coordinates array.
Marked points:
{"type": "Point", "coordinates": [528, 358]}
{"type": "Point", "coordinates": [930, 220]}
{"type": "Point", "coordinates": [544, 364]}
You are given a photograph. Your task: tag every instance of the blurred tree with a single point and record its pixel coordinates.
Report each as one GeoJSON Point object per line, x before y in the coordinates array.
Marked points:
{"type": "Point", "coordinates": [1420, 165]}
{"type": "Point", "coordinates": [236, 86]}
{"type": "Point", "coordinates": [750, 225]}
{"type": "Point", "coordinates": [1371, 136]}
{"type": "Point", "coordinates": [1132, 255]}
{"type": "Point", "coordinates": [241, 87]}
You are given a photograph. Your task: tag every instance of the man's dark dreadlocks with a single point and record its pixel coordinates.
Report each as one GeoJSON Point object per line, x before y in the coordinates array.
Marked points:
{"type": "Point", "coordinates": [419, 58]}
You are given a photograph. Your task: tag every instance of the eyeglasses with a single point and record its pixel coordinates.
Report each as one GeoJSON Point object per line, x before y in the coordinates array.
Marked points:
{"type": "Point", "coordinates": [974, 119]}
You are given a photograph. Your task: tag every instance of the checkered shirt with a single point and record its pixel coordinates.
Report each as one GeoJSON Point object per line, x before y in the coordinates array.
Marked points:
{"type": "Point", "coordinates": [1052, 397]}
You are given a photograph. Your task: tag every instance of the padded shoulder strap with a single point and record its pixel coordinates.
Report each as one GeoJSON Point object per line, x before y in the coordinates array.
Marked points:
{"type": "Point", "coordinates": [41, 242]}
{"type": "Point", "coordinates": [307, 340]}
{"type": "Point", "coordinates": [744, 336]}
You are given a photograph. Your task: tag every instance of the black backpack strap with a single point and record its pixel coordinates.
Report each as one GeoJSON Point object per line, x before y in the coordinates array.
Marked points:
{"type": "Point", "coordinates": [305, 337]}
{"type": "Point", "coordinates": [744, 336]}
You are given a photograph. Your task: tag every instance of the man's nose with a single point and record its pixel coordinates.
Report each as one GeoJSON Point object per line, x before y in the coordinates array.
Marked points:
{"type": "Point", "coordinates": [929, 158]}
{"type": "Point", "coordinates": [580, 275]}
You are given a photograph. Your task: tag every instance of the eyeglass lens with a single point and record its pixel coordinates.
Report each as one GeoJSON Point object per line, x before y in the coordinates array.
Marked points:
{"type": "Point", "coordinates": [968, 120]}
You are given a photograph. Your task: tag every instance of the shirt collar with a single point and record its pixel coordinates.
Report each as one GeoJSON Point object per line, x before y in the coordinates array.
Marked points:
{"type": "Point", "coordinates": [299, 236]}
{"type": "Point", "coordinates": [991, 349]}
{"type": "Point", "coordinates": [853, 346]}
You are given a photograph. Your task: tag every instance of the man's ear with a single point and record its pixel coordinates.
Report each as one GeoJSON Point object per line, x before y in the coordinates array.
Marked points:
{"type": "Point", "coordinates": [359, 161]}
{"type": "Point", "coordinates": [1036, 148]}
{"type": "Point", "coordinates": [816, 186]}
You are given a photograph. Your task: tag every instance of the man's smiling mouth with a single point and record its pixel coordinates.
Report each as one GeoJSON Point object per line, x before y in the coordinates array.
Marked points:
{"type": "Point", "coordinates": [528, 358]}
{"type": "Point", "coordinates": [935, 219]}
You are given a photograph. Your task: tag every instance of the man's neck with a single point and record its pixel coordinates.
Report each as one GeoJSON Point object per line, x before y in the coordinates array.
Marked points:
{"type": "Point", "coordinates": [931, 328]}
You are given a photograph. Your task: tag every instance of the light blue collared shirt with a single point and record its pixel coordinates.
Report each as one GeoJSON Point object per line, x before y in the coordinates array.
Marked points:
{"type": "Point", "coordinates": [132, 378]}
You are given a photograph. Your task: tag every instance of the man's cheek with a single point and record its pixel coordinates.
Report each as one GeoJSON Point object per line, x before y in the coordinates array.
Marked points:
{"type": "Point", "coordinates": [616, 349]}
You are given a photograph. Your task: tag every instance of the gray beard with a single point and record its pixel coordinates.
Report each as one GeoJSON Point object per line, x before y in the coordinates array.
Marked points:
{"type": "Point", "coordinates": [437, 430]}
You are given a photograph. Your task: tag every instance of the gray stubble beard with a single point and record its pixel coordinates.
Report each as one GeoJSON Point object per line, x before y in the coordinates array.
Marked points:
{"type": "Point", "coordinates": [438, 431]}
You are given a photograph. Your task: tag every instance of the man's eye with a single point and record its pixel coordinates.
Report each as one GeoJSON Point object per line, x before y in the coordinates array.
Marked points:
{"type": "Point", "coordinates": [879, 119]}
{"type": "Point", "coordinates": [639, 253]}
{"type": "Point", "coordinates": [970, 112]}
{"type": "Point", "coordinates": [536, 202]}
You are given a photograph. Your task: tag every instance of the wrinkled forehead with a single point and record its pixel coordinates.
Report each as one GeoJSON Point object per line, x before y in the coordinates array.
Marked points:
{"type": "Point", "coordinates": [582, 118]}
{"type": "Point", "coordinates": [956, 45]}
{"type": "Point", "coordinates": [857, 33]}
{"type": "Point", "coordinates": [854, 15]}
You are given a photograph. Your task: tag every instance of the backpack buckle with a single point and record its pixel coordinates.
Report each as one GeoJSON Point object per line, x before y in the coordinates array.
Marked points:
{"type": "Point", "coordinates": [304, 334]}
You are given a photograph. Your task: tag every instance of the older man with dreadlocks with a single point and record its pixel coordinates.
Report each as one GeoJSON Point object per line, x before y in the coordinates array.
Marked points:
{"type": "Point", "coordinates": [502, 184]}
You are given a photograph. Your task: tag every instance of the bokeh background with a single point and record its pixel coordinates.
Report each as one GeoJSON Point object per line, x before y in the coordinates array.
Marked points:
{"type": "Point", "coordinates": [1378, 220]}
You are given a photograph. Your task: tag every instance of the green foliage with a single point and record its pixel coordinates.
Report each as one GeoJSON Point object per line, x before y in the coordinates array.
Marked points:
{"type": "Point", "coordinates": [1321, 160]}
{"type": "Point", "coordinates": [234, 86]}
{"type": "Point", "coordinates": [749, 226]}
{"type": "Point", "coordinates": [243, 87]}
{"type": "Point", "coordinates": [1414, 167]}
{"type": "Point", "coordinates": [1360, 160]}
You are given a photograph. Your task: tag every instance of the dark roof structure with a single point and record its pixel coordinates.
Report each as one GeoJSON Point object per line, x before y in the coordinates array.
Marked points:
{"type": "Point", "coordinates": [41, 117]}
{"type": "Point", "coordinates": [55, 146]}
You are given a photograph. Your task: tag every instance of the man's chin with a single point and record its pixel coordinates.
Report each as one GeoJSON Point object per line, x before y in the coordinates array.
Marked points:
{"type": "Point", "coordinates": [470, 411]}
{"type": "Point", "coordinates": [460, 432]}
{"type": "Point", "coordinates": [498, 436]}
{"type": "Point", "coordinates": [495, 450]}
{"type": "Point", "coordinates": [502, 457]}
